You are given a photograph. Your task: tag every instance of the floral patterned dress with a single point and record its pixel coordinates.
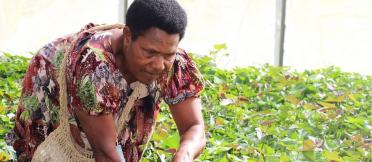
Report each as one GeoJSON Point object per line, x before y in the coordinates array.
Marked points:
{"type": "Point", "coordinates": [94, 84]}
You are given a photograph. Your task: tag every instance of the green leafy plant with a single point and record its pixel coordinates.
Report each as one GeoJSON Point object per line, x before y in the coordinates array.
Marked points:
{"type": "Point", "coordinates": [272, 113]}
{"type": "Point", "coordinates": [252, 113]}
{"type": "Point", "coordinates": [12, 69]}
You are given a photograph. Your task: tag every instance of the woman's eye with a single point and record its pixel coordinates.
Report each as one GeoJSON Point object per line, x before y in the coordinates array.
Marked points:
{"type": "Point", "coordinates": [150, 53]}
{"type": "Point", "coordinates": [169, 57]}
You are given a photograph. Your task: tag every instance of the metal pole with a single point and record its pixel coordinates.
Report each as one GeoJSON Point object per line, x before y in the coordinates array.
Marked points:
{"type": "Point", "coordinates": [123, 7]}
{"type": "Point", "coordinates": [279, 33]}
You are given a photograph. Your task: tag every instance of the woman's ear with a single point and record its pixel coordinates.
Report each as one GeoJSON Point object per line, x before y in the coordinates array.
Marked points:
{"type": "Point", "coordinates": [127, 35]}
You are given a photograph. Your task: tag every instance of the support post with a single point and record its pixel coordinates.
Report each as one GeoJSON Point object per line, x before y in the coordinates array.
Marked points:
{"type": "Point", "coordinates": [279, 32]}
{"type": "Point", "coordinates": [123, 7]}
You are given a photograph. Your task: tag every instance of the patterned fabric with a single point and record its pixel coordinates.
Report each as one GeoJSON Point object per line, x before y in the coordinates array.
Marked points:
{"type": "Point", "coordinates": [95, 85]}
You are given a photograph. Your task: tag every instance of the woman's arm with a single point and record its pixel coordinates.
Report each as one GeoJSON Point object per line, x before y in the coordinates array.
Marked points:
{"type": "Point", "coordinates": [101, 134]}
{"type": "Point", "coordinates": [190, 124]}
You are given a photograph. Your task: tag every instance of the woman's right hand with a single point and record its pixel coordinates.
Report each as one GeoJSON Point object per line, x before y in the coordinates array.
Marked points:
{"type": "Point", "coordinates": [101, 134]}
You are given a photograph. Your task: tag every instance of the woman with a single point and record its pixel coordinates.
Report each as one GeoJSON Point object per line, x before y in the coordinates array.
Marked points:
{"type": "Point", "coordinates": [102, 64]}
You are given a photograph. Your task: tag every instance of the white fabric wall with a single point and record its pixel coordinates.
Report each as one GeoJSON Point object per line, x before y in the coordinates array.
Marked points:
{"type": "Point", "coordinates": [319, 33]}
{"type": "Point", "coordinates": [26, 25]}
{"type": "Point", "coordinates": [246, 26]}
{"type": "Point", "coordinates": [322, 33]}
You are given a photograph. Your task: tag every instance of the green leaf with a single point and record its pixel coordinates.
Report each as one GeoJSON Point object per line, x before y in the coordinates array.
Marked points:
{"type": "Point", "coordinates": [333, 156]}
{"type": "Point", "coordinates": [335, 99]}
{"type": "Point", "coordinates": [292, 99]}
{"type": "Point", "coordinates": [172, 141]}
{"type": "Point", "coordinates": [219, 47]}
{"type": "Point", "coordinates": [224, 159]}
{"type": "Point", "coordinates": [308, 145]}
{"type": "Point", "coordinates": [326, 104]}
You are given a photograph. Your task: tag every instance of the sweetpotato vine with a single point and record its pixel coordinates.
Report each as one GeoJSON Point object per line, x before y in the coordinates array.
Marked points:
{"type": "Point", "coordinates": [263, 113]}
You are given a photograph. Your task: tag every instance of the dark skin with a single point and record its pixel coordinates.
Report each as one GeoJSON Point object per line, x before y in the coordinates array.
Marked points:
{"type": "Point", "coordinates": [145, 59]}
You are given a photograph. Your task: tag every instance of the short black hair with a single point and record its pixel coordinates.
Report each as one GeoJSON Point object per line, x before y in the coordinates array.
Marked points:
{"type": "Point", "coordinates": [167, 15]}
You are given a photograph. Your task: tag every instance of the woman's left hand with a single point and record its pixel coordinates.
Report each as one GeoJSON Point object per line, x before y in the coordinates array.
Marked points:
{"type": "Point", "coordinates": [182, 156]}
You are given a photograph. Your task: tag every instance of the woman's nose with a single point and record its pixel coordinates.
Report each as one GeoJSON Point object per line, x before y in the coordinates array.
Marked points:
{"type": "Point", "coordinates": [159, 64]}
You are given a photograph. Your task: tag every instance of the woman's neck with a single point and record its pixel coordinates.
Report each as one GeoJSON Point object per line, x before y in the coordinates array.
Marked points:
{"type": "Point", "coordinates": [117, 41]}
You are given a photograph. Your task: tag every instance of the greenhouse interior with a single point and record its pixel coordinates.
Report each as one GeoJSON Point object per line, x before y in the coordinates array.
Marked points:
{"type": "Point", "coordinates": [280, 80]}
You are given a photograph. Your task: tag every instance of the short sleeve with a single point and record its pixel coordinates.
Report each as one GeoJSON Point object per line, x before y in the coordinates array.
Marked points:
{"type": "Point", "coordinates": [184, 80]}
{"type": "Point", "coordinates": [97, 84]}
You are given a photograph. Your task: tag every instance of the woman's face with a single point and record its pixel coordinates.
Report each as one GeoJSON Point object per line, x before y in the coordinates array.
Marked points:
{"type": "Point", "coordinates": [150, 55]}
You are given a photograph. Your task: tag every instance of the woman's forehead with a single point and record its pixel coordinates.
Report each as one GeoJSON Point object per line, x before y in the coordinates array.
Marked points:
{"type": "Point", "coordinates": [157, 38]}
